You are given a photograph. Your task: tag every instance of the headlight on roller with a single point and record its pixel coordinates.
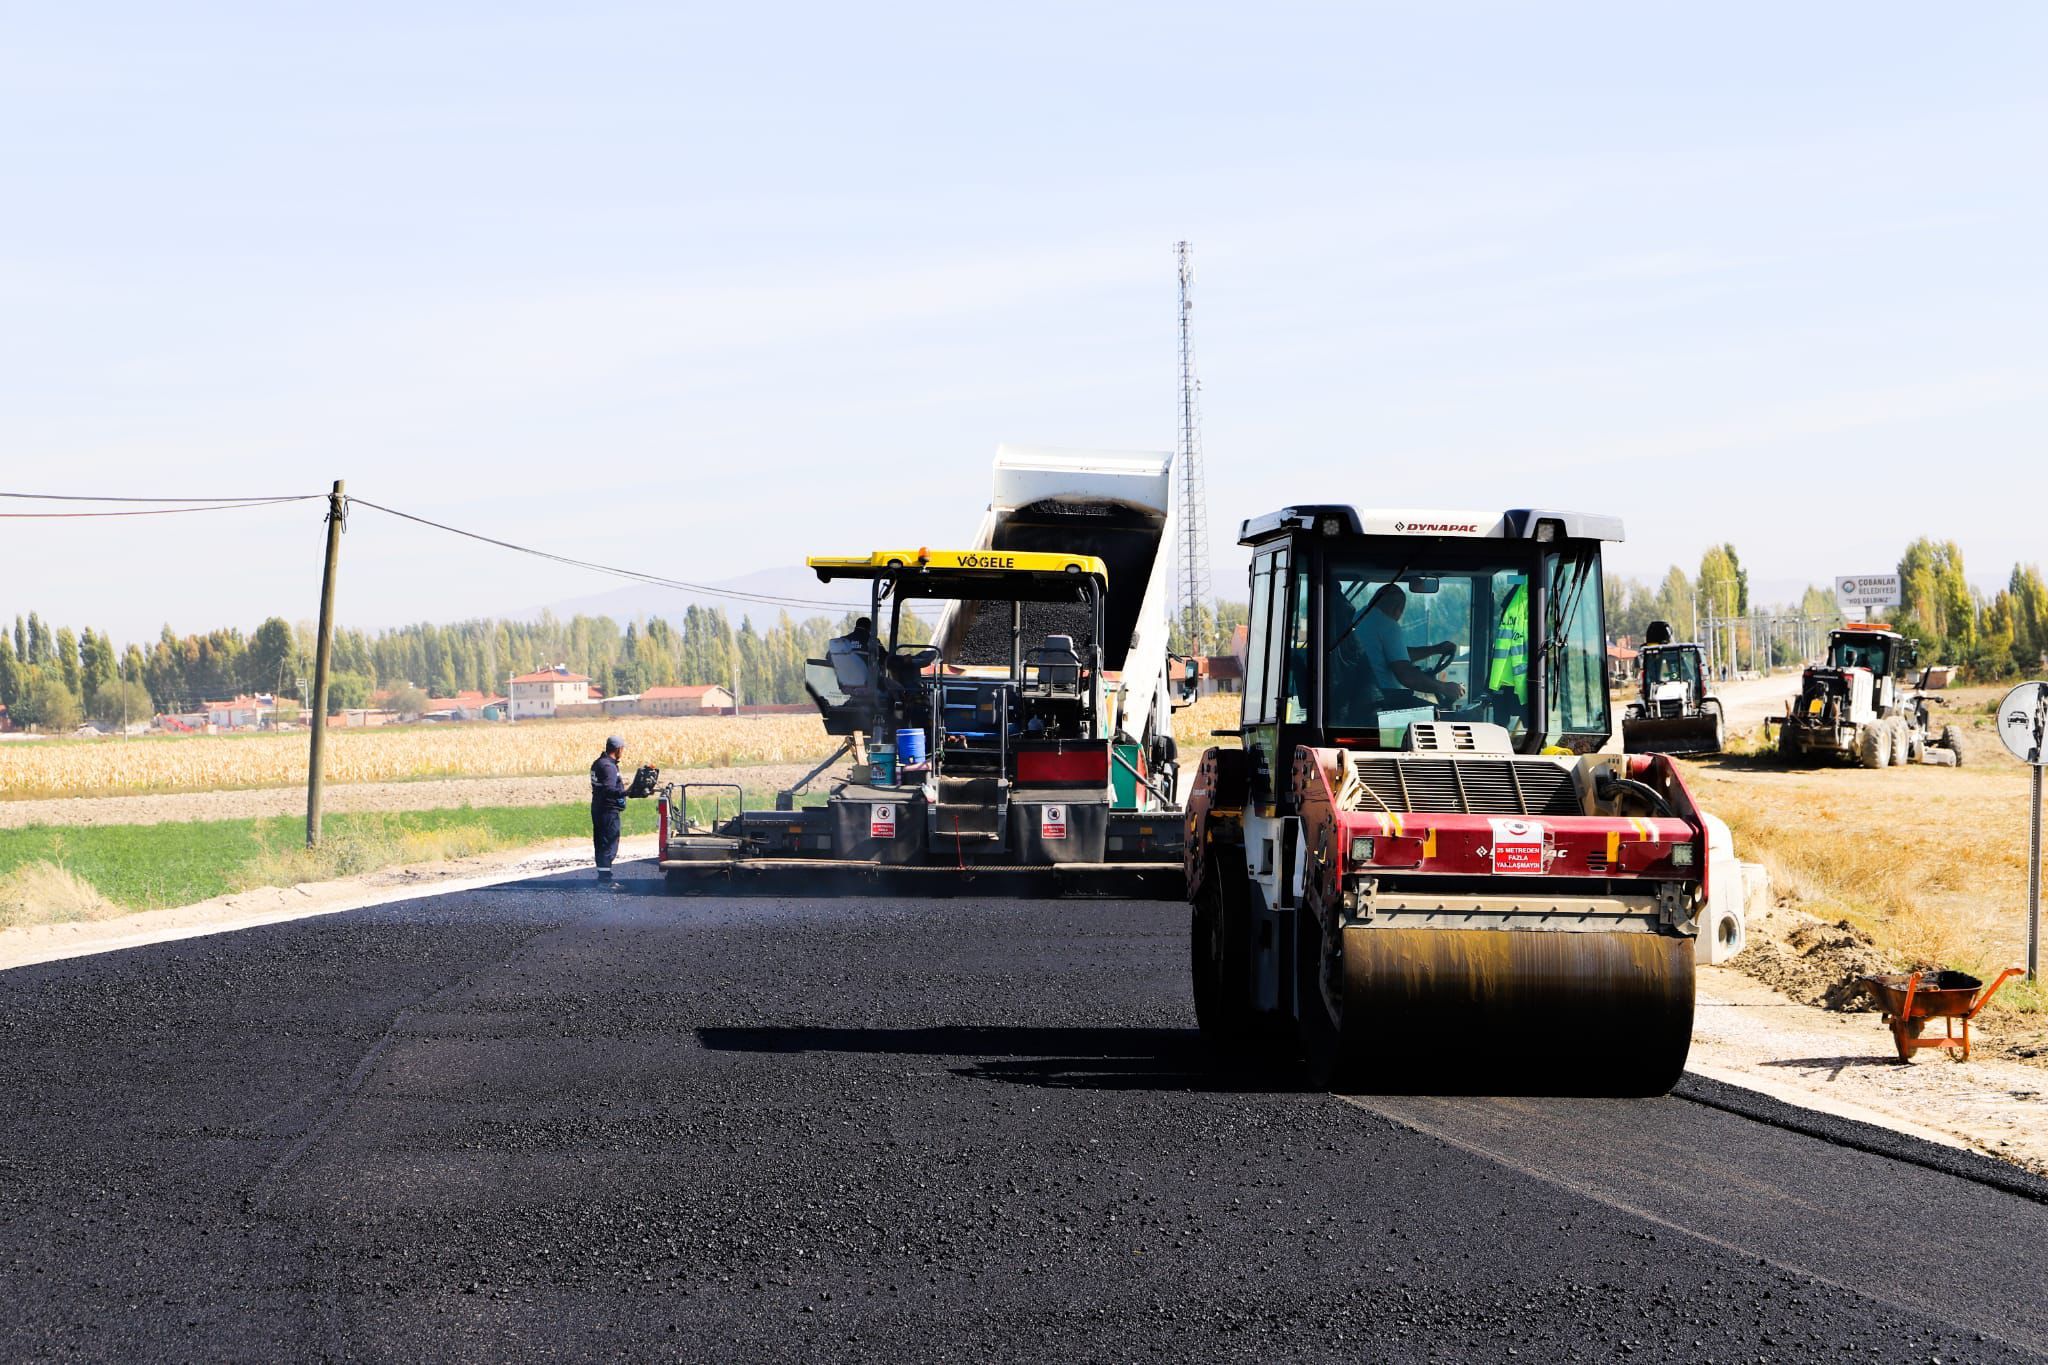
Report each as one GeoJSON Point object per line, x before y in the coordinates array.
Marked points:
{"type": "Point", "coordinates": [1681, 856]}
{"type": "Point", "coordinates": [1361, 848]}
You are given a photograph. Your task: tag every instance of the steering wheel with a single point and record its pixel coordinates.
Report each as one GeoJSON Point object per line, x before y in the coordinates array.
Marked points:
{"type": "Point", "coordinates": [1439, 658]}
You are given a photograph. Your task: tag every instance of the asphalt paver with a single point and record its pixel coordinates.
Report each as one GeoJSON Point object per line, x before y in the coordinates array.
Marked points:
{"type": "Point", "coordinates": [545, 1120]}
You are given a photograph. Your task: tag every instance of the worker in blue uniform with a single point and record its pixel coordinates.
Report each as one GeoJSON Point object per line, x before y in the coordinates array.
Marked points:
{"type": "Point", "coordinates": [607, 804]}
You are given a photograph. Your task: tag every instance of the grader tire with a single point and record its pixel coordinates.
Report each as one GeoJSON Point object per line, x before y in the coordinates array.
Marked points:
{"type": "Point", "coordinates": [1952, 740]}
{"type": "Point", "coordinates": [1874, 745]}
{"type": "Point", "coordinates": [1901, 746]}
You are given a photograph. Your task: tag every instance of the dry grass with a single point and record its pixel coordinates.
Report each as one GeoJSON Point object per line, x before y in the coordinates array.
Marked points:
{"type": "Point", "coordinates": [113, 767]}
{"type": "Point", "coordinates": [1930, 862]}
{"type": "Point", "coordinates": [48, 893]}
{"type": "Point", "coordinates": [1192, 725]}
{"type": "Point", "coordinates": [363, 851]}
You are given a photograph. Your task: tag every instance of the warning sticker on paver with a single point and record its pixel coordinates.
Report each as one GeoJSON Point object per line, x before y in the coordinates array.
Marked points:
{"type": "Point", "coordinates": [1052, 822]}
{"type": "Point", "coordinates": [881, 822]}
{"type": "Point", "coordinates": [1517, 846]}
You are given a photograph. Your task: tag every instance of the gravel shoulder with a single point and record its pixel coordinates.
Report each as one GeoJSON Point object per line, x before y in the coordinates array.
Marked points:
{"type": "Point", "coordinates": [1746, 1034]}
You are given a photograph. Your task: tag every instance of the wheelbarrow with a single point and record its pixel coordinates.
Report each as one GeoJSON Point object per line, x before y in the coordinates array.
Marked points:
{"type": "Point", "coordinates": [1911, 999]}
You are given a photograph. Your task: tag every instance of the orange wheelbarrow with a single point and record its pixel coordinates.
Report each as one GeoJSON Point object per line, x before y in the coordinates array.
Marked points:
{"type": "Point", "coordinates": [1912, 999]}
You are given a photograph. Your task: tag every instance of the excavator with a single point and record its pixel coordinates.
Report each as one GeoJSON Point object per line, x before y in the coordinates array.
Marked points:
{"type": "Point", "coordinates": [1425, 867]}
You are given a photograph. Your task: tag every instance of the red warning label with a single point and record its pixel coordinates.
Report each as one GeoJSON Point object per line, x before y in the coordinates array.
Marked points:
{"type": "Point", "coordinates": [882, 822]}
{"type": "Point", "coordinates": [1517, 846]}
{"type": "Point", "coordinates": [1052, 822]}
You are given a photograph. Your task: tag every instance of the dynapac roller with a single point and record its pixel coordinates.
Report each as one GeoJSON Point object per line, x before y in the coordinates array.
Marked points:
{"type": "Point", "coordinates": [1423, 869]}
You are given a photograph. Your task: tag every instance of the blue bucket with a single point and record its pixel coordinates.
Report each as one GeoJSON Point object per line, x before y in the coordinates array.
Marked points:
{"type": "Point", "coordinates": [910, 747]}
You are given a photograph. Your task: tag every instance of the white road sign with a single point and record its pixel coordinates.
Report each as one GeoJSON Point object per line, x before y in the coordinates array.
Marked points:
{"type": "Point", "coordinates": [1868, 590]}
{"type": "Point", "coordinates": [2023, 722]}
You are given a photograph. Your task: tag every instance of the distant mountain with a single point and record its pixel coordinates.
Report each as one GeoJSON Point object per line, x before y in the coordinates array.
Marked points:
{"type": "Point", "coordinates": [639, 600]}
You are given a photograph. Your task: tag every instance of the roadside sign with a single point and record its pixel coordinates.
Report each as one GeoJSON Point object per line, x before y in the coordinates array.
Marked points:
{"type": "Point", "coordinates": [2023, 722]}
{"type": "Point", "coordinates": [1868, 590]}
{"type": "Point", "coordinates": [2023, 729]}
{"type": "Point", "coordinates": [882, 821]}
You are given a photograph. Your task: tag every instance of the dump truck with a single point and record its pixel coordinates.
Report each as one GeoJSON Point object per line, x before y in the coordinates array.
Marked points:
{"type": "Point", "coordinates": [1865, 702]}
{"type": "Point", "coordinates": [1420, 871]}
{"type": "Point", "coordinates": [1025, 747]}
{"type": "Point", "coordinates": [1676, 711]}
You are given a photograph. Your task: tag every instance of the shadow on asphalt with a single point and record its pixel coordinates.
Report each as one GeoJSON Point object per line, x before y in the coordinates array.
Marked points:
{"type": "Point", "coordinates": [1058, 1058]}
{"type": "Point", "coordinates": [1837, 1065]}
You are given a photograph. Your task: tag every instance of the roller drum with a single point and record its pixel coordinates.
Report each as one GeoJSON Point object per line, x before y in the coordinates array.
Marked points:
{"type": "Point", "coordinates": [1502, 1011]}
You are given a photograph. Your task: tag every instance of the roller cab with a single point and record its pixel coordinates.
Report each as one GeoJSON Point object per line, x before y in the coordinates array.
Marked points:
{"type": "Point", "coordinates": [1426, 868]}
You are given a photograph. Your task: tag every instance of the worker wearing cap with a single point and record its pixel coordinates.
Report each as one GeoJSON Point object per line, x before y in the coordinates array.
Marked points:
{"type": "Point", "coordinates": [607, 804]}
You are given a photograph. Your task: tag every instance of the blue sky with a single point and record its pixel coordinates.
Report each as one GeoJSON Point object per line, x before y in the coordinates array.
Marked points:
{"type": "Point", "coordinates": [703, 290]}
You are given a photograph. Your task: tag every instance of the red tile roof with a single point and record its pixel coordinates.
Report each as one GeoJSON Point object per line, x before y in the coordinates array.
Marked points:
{"type": "Point", "coordinates": [694, 692]}
{"type": "Point", "coordinates": [549, 675]}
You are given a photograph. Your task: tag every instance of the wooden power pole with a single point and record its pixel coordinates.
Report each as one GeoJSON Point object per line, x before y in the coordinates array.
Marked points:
{"type": "Point", "coordinates": [316, 759]}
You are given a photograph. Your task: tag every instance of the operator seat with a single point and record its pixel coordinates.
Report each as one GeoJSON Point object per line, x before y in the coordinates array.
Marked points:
{"type": "Point", "coordinates": [1053, 669]}
{"type": "Point", "coordinates": [843, 688]}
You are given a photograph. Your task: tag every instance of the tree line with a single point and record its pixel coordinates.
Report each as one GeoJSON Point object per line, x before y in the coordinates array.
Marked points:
{"type": "Point", "coordinates": [51, 678]}
{"type": "Point", "coordinates": [1992, 636]}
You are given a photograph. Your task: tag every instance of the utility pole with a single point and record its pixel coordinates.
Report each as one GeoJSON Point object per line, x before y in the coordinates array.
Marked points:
{"type": "Point", "coordinates": [1194, 495]}
{"type": "Point", "coordinates": [316, 758]}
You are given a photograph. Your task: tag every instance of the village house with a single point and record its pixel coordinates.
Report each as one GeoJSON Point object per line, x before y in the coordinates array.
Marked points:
{"type": "Point", "coordinates": [701, 699]}
{"type": "Point", "coordinates": [465, 705]}
{"type": "Point", "coordinates": [241, 713]}
{"type": "Point", "coordinates": [537, 695]}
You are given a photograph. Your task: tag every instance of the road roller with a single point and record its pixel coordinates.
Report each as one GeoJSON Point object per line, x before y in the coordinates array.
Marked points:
{"type": "Point", "coordinates": [1427, 868]}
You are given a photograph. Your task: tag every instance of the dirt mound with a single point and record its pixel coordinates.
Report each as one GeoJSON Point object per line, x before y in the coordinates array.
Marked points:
{"type": "Point", "coordinates": [1817, 962]}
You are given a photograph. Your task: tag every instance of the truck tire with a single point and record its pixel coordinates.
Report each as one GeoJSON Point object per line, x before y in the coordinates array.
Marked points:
{"type": "Point", "coordinates": [1788, 747]}
{"type": "Point", "coordinates": [1952, 740]}
{"type": "Point", "coordinates": [1874, 745]}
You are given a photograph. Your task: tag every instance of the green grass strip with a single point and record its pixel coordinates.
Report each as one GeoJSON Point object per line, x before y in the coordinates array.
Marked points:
{"type": "Point", "coordinates": [145, 867]}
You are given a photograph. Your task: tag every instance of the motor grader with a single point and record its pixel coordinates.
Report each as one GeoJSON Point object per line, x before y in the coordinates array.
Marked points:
{"type": "Point", "coordinates": [1864, 702]}
{"type": "Point", "coordinates": [1425, 869]}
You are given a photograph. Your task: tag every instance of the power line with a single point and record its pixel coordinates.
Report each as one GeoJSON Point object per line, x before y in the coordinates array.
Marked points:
{"type": "Point", "coordinates": [108, 497]}
{"type": "Point", "coordinates": [634, 575]}
{"type": "Point", "coordinates": [142, 511]}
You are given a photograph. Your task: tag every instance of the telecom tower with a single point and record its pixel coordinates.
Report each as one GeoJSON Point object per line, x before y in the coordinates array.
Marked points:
{"type": "Point", "coordinates": [1194, 496]}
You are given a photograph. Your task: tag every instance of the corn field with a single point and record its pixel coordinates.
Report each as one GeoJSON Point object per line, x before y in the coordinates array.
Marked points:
{"type": "Point", "coordinates": [183, 763]}
{"type": "Point", "coordinates": [189, 763]}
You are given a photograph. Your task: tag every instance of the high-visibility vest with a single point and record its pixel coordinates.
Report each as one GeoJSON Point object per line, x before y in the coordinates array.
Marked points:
{"type": "Point", "coordinates": [1510, 671]}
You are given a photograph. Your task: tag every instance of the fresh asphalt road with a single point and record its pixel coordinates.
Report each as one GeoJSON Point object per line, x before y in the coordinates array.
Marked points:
{"type": "Point", "coordinates": [541, 1120]}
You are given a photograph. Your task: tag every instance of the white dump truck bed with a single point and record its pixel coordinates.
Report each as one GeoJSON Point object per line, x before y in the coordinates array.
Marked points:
{"type": "Point", "coordinates": [1118, 506]}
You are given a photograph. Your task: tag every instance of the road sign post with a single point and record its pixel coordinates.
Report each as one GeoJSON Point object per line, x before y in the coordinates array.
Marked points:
{"type": "Point", "coordinates": [2023, 727]}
